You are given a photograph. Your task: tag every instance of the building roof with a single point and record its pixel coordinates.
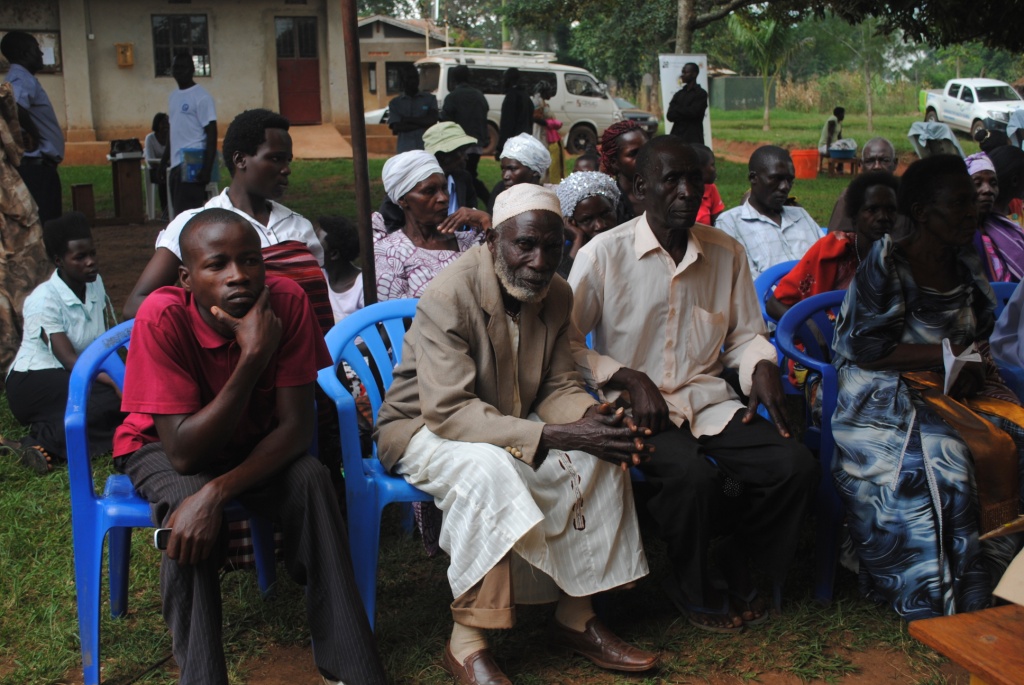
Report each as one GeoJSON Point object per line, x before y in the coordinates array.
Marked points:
{"type": "Point", "coordinates": [420, 26]}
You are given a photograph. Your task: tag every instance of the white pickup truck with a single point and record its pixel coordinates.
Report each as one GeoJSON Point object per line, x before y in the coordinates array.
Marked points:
{"type": "Point", "coordinates": [965, 103]}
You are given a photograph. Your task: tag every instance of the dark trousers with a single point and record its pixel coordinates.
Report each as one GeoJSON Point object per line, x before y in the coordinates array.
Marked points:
{"type": "Point", "coordinates": [778, 475]}
{"type": "Point", "coordinates": [43, 183]}
{"type": "Point", "coordinates": [185, 196]}
{"type": "Point", "coordinates": [472, 162]}
{"type": "Point", "coordinates": [301, 499]}
{"type": "Point", "coordinates": [39, 398]}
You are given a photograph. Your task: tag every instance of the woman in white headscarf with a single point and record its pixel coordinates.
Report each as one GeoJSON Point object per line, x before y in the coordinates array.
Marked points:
{"type": "Point", "coordinates": [524, 159]}
{"type": "Point", "coordinates": [407, 259]}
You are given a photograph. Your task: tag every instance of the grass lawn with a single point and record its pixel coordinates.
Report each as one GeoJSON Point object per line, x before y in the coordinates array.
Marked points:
{"type": "Point", "coordinates": [39, 629]}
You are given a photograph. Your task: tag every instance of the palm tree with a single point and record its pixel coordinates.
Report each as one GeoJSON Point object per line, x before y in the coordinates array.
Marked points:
{"type": "Point", "coordinates": [769, 44]}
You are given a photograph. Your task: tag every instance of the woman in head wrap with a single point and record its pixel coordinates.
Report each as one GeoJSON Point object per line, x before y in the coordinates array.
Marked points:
{"type": "Point", "coordinates": [588, 207]}
{"type": "Point", "coordinates": [1009, 163]}
{"type": "Point", "coordinates": [524, 159]}
{"type": "Point", "coordinates": [620, 144]}
{"type": "Point", "coordinates": [999, 241]}
{"type": "Point", "coordinates": [545, 129]}
{"type": "Point", "coordinates": [409, 258]}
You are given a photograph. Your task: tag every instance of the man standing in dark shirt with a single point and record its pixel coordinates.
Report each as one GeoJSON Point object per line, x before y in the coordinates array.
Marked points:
{"type": "Point", "coordinates": [686, 110]}
{"type": "Point", "coordinates": [468, 108]}
{"type": "Point", "coordinates": [516, 111]}
{"type": "Point", "coordinates": [412, 112]}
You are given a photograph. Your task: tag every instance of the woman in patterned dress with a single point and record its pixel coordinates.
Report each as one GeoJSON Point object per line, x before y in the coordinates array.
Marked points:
{"type": "Point", "coordinates": [906, 476]}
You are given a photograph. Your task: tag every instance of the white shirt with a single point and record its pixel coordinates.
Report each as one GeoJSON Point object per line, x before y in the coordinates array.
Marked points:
{"type": "Point", "coordinates": [53, 308]}
{"type": "Point", "coordinates": [345, 303]}
{"type": "Point", "coordinates": [767, 243]}
{"type": "Point", "coordinates": [189, 111]}
{"type": "Point", "coordinates": [152, 149]}
{"type": "Point", "coordinates": [679, 324]}
{"type": "Point", "coordinates": [284, 225]}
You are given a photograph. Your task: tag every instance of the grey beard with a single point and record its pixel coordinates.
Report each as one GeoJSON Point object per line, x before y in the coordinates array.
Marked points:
{"type": "Point", "coordinates": [513, 286]}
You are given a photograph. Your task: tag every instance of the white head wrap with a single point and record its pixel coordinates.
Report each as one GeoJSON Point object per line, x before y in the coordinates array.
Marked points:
{"type": "Point", "coordinates": [521, 198]}
{"type": "Point", "coordinates": [578, 186]}
{"type": "Point", "coordinates": [402, 172]}
{"type": "Point", "coordinates": [529, 151]}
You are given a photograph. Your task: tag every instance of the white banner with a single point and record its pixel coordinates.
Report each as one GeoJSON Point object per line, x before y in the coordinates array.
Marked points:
{"type": "Point", "coordinates": [671, 66]}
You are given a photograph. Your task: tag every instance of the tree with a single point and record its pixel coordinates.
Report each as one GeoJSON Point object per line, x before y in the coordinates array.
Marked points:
{"type": "Point", "coordinates": [769, 43]}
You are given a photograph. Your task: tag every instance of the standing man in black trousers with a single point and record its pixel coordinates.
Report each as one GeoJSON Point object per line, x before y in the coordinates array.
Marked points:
{"type": "Point", "coordinates": [42, 137]}
{"type": "Point", "coordinates": [686, 110]}
{"type": "Point", "coordinates": [468, 107]}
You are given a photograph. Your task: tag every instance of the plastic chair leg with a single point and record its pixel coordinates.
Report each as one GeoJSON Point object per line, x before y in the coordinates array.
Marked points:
{"type": "Point", "coordinates": [262, 532]}
{"type": "Point", "coordinates": [120, 554]}
{"type": "Point", "coordinates": [364, 543]}
{"type": "Point", "coordinates": [88, 563]}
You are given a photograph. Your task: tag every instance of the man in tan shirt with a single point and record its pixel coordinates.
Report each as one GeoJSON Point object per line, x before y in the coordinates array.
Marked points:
{"type": "Point", "coordinates": [671, 306]}
{"type": "Point", "coordinates": [488, 415]}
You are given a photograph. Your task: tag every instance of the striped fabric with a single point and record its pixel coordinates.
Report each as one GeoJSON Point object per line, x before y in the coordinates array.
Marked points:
{"type": "Point", "coordinates": [292, 259]}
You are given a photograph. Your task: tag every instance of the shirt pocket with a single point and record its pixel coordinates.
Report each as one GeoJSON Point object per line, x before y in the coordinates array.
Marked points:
{"type": "Point", "coordinates": [705, 336]}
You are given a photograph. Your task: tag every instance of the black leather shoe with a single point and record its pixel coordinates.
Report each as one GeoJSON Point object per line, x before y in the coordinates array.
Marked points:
{"type": "Point", "coordinates": [603, 647]}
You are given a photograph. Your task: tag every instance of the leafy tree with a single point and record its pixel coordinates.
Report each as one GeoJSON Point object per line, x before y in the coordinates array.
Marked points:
{"type": "Point", "coordinates": [769, 43]}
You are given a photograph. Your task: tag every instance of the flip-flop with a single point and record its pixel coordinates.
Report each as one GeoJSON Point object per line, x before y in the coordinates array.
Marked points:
{"type": "Point", "coordinates": [37, 459]}
{"type": "Point", "coordinates": [744, 605]}
{"type": "Point", "coordinates": [694, 613]}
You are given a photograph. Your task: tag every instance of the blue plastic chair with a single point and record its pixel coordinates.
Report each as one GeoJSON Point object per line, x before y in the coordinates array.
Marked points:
{"type": "Point", "coordinates": [118, 510]}
{"type": "Point", "coordinates": [1013, 375]}
{"type": "Point", "coordinates": [818, 357]}
{"type": "Point", "coordinates": [765, 285]}
{"type": "Point", "coordinates": [368, 486]}
{"type": "Point", "coordinates": [1004, 291]}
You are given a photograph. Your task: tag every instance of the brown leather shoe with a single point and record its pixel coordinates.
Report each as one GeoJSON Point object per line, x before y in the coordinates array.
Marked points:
{"type": "Point", "coordinates": [478, 668]}
{"type": "Point", "coordinates": [603, 647]}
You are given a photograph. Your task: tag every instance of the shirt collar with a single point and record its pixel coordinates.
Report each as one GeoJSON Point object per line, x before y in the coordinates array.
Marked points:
{"type": "Point", "coordinates": [278, 212]}
{"type": "Point", "coordinates": [644, 242]}
{"type": "Point", "coordinates": [67, 296]}
{"type": "Point", "coordinates": [207, 337]}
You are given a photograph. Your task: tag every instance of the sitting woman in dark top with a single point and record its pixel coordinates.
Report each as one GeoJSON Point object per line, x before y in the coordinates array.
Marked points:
{"type": "Point", "coordinates": [588, 207]}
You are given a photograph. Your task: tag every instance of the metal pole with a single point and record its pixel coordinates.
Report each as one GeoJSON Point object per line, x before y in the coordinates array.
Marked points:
{"type": "Point", "coordinates": [357, 125]}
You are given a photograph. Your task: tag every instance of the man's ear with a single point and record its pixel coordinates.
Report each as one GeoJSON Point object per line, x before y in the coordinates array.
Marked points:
{"type": "Point", "coordinates": [918, 211]}
{"type": "Point", "coordinates": [183, 276]}
{"type": "Point", "coordinates": [491, 237]}
{"type": "Point", "coordinates": [639, 187]}
{"type": "Point", "coordinates": [238, 159]}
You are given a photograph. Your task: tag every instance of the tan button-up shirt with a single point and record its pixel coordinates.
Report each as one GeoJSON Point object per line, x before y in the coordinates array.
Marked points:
{"type": "Point", "coordinates": [681, 324]}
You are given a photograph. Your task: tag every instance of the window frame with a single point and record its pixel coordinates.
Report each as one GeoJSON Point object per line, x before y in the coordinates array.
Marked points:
{"type": "Point", "coordinates": [171, 49]}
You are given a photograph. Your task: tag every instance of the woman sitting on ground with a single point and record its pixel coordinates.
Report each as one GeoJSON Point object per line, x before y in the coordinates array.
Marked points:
{"type": "Point", "coordinates": [340, 239]}
{"type": "Point", "coordinates": [917, 490]}
{"type": "Point", "coordinates": [832, 261]}
{"type": "Point", "coordinates": [523, 160]}
{"type": "Point", "coordinates": [258, 153]}
{"type": "Point", "coordinates": [63, 315]}
{"type": "Point", "coordinates": [588, 207]}
{"type": "Point", "coordinates": [999, 241]}
{"type": "Point", "coordinates": [620, 144]}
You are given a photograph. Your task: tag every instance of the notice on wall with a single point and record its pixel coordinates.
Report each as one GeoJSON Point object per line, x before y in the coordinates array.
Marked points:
{"type": "Point", "coordinates": [670, 68]}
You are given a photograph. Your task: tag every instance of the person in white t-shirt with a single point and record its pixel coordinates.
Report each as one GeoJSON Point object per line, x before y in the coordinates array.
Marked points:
{"type": "Point", "coordinates": [258, 154]}
{"type": "Point", "coordinates": [193, 119]}
{"type": "Point", "coordinates": [344, 279]}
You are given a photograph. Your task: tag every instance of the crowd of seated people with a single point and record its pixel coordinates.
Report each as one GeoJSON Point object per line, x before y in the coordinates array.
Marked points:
{"type": "Point", "coordinates": [631, 278]}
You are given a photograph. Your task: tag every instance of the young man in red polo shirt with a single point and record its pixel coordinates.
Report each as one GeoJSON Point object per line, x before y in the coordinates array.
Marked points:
{"type": "Point", "coordinates": [219, 381]}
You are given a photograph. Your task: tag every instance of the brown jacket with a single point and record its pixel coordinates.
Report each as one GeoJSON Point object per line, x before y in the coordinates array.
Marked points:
{"type": "Point", "coordinates": [455, 375]}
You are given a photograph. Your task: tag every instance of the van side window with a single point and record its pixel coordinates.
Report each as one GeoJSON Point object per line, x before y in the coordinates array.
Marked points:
{"type": "Point", "coordinates": [967, 95]}
{"type": "Point", "coordinates": [954, 89]}
{"type": "Point", "coordinates": [530, 79]}
{"type": "Point", "coordinates": [583, 86]}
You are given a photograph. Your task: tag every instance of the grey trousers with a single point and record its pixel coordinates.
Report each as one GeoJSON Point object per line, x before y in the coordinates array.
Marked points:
{"type": "Point", "coordinates": [301, 499]}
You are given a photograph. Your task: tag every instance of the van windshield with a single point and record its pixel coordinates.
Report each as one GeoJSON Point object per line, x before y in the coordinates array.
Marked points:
{"type": "Point", "coordinates": [430, 76]}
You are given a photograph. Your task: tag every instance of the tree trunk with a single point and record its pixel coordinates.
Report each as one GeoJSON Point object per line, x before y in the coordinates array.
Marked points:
{"type": "Point", "coordinates": [869, 97]}
{"type": "Point", "coordinates": [767, 126]}
{"type": "Point", "coordinates": [684, 26]}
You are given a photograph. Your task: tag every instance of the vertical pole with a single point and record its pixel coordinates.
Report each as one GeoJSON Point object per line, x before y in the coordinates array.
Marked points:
{"type": "Point", "coordinates": [360, 168]}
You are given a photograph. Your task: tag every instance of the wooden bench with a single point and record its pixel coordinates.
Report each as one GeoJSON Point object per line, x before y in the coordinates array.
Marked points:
{"type": "Point", "coordinates": [988, 643]}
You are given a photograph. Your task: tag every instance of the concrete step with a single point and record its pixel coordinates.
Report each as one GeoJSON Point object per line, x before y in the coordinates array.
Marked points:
{"type": "Point", "coordinates": [319, 142]}
{"type": "Point", "coordinates": [382, 145]}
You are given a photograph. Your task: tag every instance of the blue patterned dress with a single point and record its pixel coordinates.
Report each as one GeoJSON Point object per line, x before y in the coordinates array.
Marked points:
{"type": "Point", "coordinates": [905, 476]}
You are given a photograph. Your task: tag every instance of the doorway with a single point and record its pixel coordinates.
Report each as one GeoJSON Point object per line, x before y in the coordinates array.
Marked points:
{"type": "Point", "coordinates": [298, 69]}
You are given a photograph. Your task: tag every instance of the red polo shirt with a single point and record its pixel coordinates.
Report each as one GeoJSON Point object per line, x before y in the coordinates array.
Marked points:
{"type": "Point", "coordinates": [177, 364]}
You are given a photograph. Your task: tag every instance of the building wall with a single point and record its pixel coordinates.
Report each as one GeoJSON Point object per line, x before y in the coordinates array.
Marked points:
{"type": "Point", "coordinates": [380, 50]}
{"type": "Point", "coordinates": [94, 98]}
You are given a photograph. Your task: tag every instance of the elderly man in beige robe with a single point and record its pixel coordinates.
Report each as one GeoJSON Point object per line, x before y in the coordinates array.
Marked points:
{"type": "Point", "coordinates": [488, 415]}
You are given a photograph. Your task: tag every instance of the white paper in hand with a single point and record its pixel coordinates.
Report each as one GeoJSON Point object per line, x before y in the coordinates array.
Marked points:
{"type": "Point", "coordinates": [1011, 587]}
{"type": "Point", "coordinates": [954, 363]}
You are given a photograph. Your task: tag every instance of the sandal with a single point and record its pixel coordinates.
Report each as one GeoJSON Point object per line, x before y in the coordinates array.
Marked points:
{"type": "Point", "coordinates": [721, 621]}
{"type": "Point", "coordinates": [751, 605]}
{"type": "Point", "coordinates": [37, 459]}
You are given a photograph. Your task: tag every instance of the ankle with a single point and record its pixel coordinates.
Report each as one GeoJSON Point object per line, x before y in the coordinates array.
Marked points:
{"type": "Point", "coordinates": [466, 640]}
{"type": "Point", "coordinates": [574, 612]}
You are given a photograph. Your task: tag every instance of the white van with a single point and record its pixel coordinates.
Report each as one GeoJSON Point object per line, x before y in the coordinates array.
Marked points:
{"type": "Point", "coordinates": [580, 101]}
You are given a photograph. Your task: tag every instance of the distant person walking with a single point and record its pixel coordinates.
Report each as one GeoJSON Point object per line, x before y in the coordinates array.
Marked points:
{"type": "Point", "coordinates": [516, 111]}
{"type": "Point", "coordinates": [468, 107]}
{"type": "Point", "coordinates": [42, 137]}
{"type": "Point", "coordinates": [687, 107]}
{"type": "Point", "coordinates": [412, 112]}
{"type": "Point", "coordinates": [193, 118]}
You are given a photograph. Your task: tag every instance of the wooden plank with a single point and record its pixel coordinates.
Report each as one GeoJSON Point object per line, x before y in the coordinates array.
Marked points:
{"type": "Point", "coordinates": [988, 643]}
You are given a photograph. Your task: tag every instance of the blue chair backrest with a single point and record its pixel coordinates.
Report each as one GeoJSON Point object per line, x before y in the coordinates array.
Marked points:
{"type": "Point", "coordinates": [1004, 291]}
{"type": "Point", "coordinates": [365, 324]}
{"type": "Point", "coordinates": [811, 322]}
{"type": "Point", "coordinates": [766, 282]}
{"type": "Point", "coordinates": [101, 355]}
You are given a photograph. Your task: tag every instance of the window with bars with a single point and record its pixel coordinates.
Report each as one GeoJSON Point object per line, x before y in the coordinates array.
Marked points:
{"type": "Point", "coordinates": [181, 33]}
{"type": "Point", "coordinates": [296, 37]}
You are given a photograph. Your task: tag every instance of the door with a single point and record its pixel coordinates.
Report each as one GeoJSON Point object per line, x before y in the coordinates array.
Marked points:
{"type": "Point", "coordinates": [298, 69]}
